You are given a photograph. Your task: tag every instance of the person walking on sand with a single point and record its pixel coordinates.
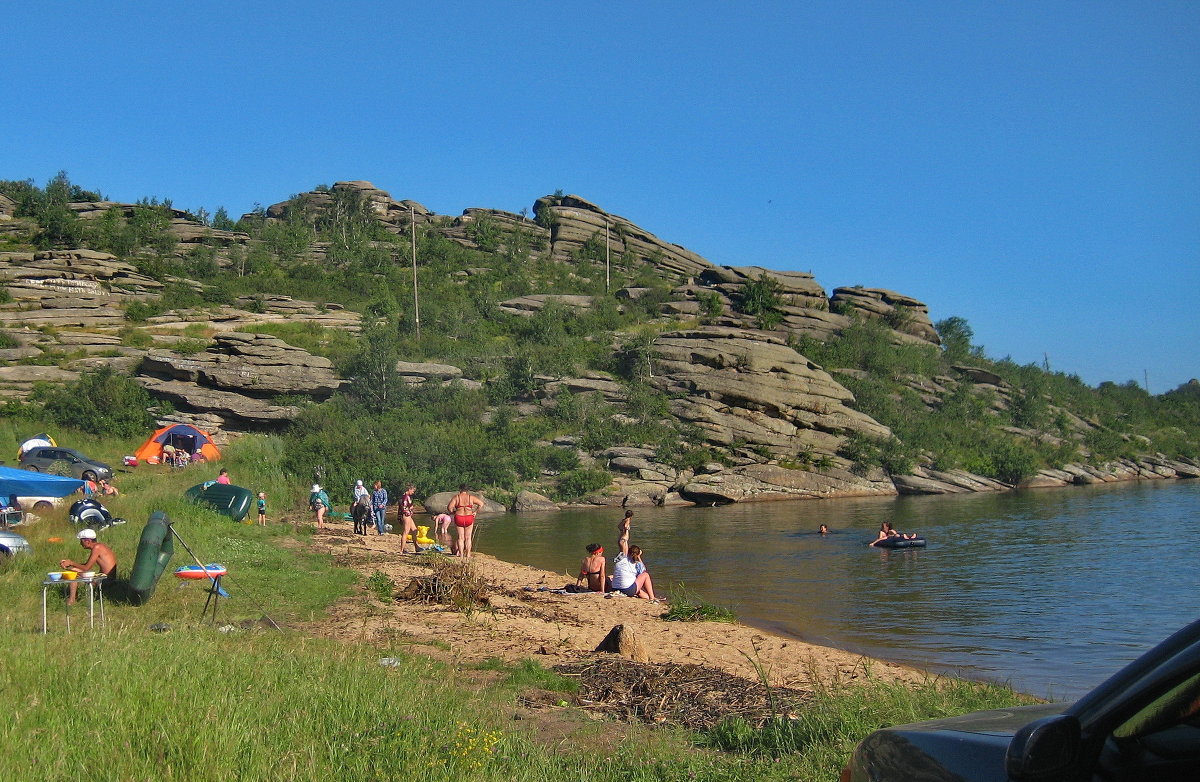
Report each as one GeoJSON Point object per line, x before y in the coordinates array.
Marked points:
{"type": "Point", "coordinates": [592, 568]}
{"type": "Point", "coordinates": [318, 500]}
{"type": "Point", "coordinates": [379, 503]}
{"type": "Point", "coordinates": [407, 525]}
{"type": "Point", "coordinates": [463, 507]}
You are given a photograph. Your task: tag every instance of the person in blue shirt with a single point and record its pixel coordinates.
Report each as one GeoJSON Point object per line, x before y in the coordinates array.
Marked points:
{"type": "Point", "coordinates": [379, 502]}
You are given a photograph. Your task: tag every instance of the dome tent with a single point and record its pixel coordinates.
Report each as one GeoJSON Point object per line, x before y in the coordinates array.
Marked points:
{"type": "Point", "coordinates": [184, 437]}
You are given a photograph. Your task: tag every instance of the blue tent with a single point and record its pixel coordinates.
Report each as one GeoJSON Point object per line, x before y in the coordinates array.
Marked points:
{"type": "Point", "coordinates": [26, 483]}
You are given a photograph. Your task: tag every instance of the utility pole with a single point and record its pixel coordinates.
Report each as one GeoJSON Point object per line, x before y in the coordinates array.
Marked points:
{"type": "Point", "coordinates": [412, 226]}
{"type": "Point", "coordinates": [607, 278]}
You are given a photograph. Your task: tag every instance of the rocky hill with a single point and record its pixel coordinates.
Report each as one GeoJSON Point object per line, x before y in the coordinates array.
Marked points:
{"type": "Point", "coordinates": [199, 310]}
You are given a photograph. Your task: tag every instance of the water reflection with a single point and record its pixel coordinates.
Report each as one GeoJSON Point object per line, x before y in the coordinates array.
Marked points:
{"type": "Point", "coordinates": [1052, 589]}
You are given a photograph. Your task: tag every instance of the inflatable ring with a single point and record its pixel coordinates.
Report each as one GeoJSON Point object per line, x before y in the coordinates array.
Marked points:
{"type": "Point", "coordinates": [154, 552]}
{"type": "Point", "coordinates": [901, 543]}
{"type": "Point", "coordinates": [195, 572]}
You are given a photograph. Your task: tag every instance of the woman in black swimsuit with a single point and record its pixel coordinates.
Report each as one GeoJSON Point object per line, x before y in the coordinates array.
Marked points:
{"type": "Point", "coordinates": [592, 568]}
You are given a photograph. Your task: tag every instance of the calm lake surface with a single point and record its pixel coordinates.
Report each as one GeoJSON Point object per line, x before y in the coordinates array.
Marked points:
{"type": "Point", "coordinates": [1052, 590]}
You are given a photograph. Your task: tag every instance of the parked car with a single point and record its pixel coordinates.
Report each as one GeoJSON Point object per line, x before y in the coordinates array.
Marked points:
{"type": "Point", "coordinates": [40, 504]}
{"type": "Point", "coordinates": [65, 461]}
{"type": "Point", "coordinates": [1142, 725]}
{"type": "Point", "coordinates": [12, 543]}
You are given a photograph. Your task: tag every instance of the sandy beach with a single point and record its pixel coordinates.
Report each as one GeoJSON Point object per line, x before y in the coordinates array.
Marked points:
{"type": "Point", "coordinates": [553, 628]}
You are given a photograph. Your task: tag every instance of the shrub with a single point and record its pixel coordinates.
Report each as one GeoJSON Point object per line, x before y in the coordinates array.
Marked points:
{"type": "Point", "coordinates": [141, 311]}
{"type": "Point", "coordinates": [133, 337]}
{"type": "Point", "coordinates": [100, 402]}
{"type": "Point", "coordinates": [686, 606]}
{"type": "Point", "coordinates": [576, 484]}
{"type": "Point", "coordinates": [190, 347]}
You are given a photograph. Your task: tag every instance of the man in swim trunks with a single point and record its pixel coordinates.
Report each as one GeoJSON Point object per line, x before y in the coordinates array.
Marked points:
{"type": "Point", "coordinates": [592, 568]}
{"type": "Point", "coordinates": [463, 507]}
{"type": "Point", "coordinates": [101, 559]}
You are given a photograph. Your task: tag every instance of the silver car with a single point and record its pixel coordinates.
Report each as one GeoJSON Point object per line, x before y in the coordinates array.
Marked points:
{"type": "Point", "coordinates": [64, 461]}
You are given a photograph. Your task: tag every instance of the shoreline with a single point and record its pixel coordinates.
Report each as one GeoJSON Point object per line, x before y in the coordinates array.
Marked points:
{"type": "Point", "coordinates": [556, 629]}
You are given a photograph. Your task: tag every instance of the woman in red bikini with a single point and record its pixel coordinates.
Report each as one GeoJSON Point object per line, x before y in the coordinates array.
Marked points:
{"type": "Point", "coordinates": [463, 507]}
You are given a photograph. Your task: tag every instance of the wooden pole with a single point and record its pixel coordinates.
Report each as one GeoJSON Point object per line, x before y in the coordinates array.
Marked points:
{"type": "Point", "coordinates": [606, 257]}
{"type": "Point", "coordinates": [412, 225]}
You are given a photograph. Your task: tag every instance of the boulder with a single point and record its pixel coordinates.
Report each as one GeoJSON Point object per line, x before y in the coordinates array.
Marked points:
{"type": "Point", "coordinates": [531, 502]}
{"type": "Point", "coordinates": [437, 503]}
{"type": "Point", "coordinates": [408, 369]}
{"type": "Point", "coordinates": [622, 640]}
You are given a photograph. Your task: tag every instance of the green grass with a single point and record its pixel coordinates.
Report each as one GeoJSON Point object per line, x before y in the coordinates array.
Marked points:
{"type": "Point", "coordinates": [823, 732]}
{"type": "Point", "coordinates": [686, 606]}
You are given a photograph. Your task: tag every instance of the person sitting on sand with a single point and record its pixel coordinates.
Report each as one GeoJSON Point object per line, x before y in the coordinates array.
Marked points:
{"type": "Point", "coordinates": [101, 559]}
{"type": "Point", "coordinates": [630, 576]}
{"type": "Point", "coordinates": [592, 568]}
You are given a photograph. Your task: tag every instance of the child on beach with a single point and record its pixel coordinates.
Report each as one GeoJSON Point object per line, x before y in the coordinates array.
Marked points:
{"type": "Point", "coordinates": [262, 509]}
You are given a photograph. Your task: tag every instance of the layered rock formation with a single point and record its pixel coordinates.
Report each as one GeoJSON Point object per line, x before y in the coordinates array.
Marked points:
{"type": "Point", "coordinates": [743, 386]}
{"type": "Point", "coordinates": [238, 378]}
{"type": "Point", "coordinates": [574, 222]}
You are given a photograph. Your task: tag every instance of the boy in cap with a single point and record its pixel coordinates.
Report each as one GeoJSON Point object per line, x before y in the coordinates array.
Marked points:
{"type": "Point", "coordinates": [101, 559]}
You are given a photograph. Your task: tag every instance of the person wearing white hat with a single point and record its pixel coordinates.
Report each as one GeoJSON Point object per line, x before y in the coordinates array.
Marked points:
{"type": "Point", "coordinates": [318, 500]}
{"type": "Point", "coordinates": [101, 559]}
{"type": "Point", "coordinates": [360, 492]}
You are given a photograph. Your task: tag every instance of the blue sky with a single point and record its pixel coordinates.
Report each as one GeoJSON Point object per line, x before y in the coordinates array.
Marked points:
{"type": "Point", "coordinates": [1032, 167]}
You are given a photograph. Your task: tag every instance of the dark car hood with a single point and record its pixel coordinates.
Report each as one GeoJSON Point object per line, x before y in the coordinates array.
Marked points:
{"type": "Point", "coordinates": [967, 749]}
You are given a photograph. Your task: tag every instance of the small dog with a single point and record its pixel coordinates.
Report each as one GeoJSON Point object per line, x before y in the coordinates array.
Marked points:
{"type": "Point", "coordinates": [361, 513]}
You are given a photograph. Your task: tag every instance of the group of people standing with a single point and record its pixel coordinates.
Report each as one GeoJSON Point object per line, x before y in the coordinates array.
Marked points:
{"type": "Point", "coordinates": [629, 577]}
{"type": "Point", "coordinates": [372, 506]}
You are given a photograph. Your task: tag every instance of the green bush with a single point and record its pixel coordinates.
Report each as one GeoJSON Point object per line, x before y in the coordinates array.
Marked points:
{"type": "Point", "coordinates": [576, 484]}
{"type": "Point", "coordinates": [141, 311]}
{"type": "Point", "coordinates": [100, 402]}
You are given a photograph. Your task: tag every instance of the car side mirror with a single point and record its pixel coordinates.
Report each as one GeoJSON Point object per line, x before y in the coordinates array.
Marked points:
{"type": "Point", "coordinates": [1044, 749]}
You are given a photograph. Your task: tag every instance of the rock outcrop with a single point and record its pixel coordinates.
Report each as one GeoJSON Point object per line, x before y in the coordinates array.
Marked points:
{"type": "Point", "coordinates": [902, 313]}
{"type": "Point", "coordinates": [578, 229]}
{"type": "Point", "coordinates": [238, 376]}
{"type": "Point", "coordinates": [744, 386]}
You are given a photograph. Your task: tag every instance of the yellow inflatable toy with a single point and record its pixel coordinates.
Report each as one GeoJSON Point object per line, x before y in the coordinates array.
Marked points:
{"type": "Point", "coordinates": [423, 537]}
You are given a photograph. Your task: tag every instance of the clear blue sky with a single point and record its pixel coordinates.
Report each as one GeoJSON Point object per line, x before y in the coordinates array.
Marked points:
{"type": "Point", "coordinates": [1033, 167]}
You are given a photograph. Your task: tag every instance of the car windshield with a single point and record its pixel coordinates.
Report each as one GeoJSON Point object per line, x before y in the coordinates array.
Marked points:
{"type": "Point", "coordinates": [1177, 704]}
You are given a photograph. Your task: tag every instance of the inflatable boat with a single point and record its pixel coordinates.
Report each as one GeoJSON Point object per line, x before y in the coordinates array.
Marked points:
{"type": "Point", "coordinates": [901, 543]}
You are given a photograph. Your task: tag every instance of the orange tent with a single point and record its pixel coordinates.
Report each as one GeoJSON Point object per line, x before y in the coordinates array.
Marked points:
{"type": "Point", "coordinates": [183, 437]}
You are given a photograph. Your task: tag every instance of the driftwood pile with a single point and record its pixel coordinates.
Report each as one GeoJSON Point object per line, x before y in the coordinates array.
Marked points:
{"type": "Point", "coordinates": [452, 582]}
{"type": "Point", "coordinates": [694, 696]}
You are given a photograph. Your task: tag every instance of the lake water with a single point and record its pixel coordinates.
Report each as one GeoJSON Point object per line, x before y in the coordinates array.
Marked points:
{"type": "Point", "coordinates": [1052, 590]}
